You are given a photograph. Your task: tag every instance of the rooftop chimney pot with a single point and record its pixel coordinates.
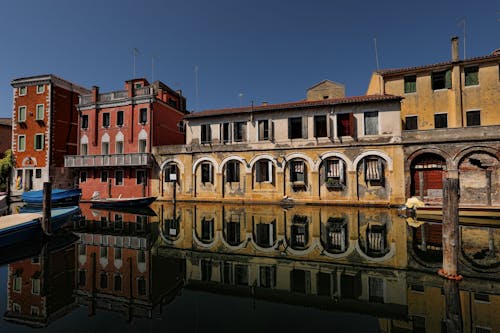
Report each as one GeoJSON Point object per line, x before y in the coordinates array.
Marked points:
{"type": "Point", "coordinates": [454, 49]}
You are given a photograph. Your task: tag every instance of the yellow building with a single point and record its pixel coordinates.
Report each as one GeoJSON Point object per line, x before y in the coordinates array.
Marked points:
{"type": "Point", "coordinates": [327, 148]}
{"type": "Point", "coordinates": [450, 122]}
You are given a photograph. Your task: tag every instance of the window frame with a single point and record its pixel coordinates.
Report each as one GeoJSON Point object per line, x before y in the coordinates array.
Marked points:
{"type": "Point", "coordinates": [233, 171]}
{"type": "Point", "coordinates": [119, 172]}
{"type": "Point", "coordinates": [366, 116]}
{"type": "Point", "coordinates": [82, 152]}
{"type": "Point", "coordinates": [318, 129]}
{"type": "Point", "coordinates": [143, 116]}
{"type": "Point", "coordinates": [472, 112]}
{"type": "Point", "coordinates": [119, 144]}
{"type": "Point", "coordinates": [105, 119]}
{"type": "Point", "coordinates": [205, 133]}
{"type": "Point", "coordinates": [440, 114]}
{"type": "Point", "coordinates": [415, 117]}
{"type": "Point", "coordinates": [104, 179]}
{"type": "Point", "coordinates": [42, 142]}
{"type": "Point", "coordinates": [142, 148]}
{"type": "Point", "coordinates": [21, 110]}
{"type": "Point", "coordinates": [22, 91]}
{"type": "Point", "coordinates": [85, 121]}
{"type": "Point", "coordinates": [104, 144]}
{"type": "Point", "coordinates": [239, 131]}
{"type": "Point", "coordinates": [119, 118]}
{"type": "Point", "coordinates": [38, 90]}
{"type": "Point", "coordinates": [469, 73]}
{"type": "Point", "coordinates": [410, 84]}
{"type": "Point", "coordinates": [210, 173]}
{"type": "Point", "coordinates": [83, 176]}
{"type": "Point", "coordinates": [267, 175]}
{"type": "Point", "coordinates": [144, 177]}
{"type": "Point", "coordinates": [263, 134]}
{"type": "Point", "coordinates": [19, 136]}
{"type": "Point", "coordinates": [295, 123]}
{"type": "Point", "coordinates": [441, 80]}
{"type": "Point", "coordinates": [293, 173]}
{"type": "Point", "coordinates": [37, 116]}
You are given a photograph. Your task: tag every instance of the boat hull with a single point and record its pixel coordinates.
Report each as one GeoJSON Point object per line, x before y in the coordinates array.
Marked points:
{"type": "Point", "coordinates": [59, 198]}
{"type": "Point", "coordinates": [122, 203]}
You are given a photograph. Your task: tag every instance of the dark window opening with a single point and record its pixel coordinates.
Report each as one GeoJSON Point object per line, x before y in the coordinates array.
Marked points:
{"type": "Point", "coordinates": [119, 118]}
{"type": "Point", "coordinates": [105, 119]}
{"type": "Point", "coordinates": [141, 177]}
{"type": "Point", "coordinates": [206, 173]}
{"type": "Point", "coordinates": [38, 173]}
{"type": "Point", "coordinates": [141, 286]}
{"type": "Point", "coordinates": [239, 132]}
{"type": "Point", "coordinates": [411, 123]}
{"type": "Point", "coordinates": [471, 76]}
{"type": "Point", "coordinates": [206, 134]}
{"type": "Point", "coordinates": [207, 230]}
{"type": "Point", "coordinates": [85, 121]}
{"type": "Point", "coordinates": [473, 118]}
{"type": "Point", "coordinates": [143, 116]}
{"type": "Point", "coordinates": [371, 123]}
{"type": "Point", "coordinates": [104, 176]}
{"type": "Point", "coordinates": [441, 80]}
{"type": "Point", "coordinates": [233, 172]}
{"type": "Point", "coordinates": [320, 126]}
{"type": "Point", "coordinates": [265, 234]}
{"type": "Point", "coordinates": [263, 130]}
{"type": "Point", "coordinates": [263, 171]}
{"type": "Point", "coordinates": [441, 120]}
{"type": "Point", "coordinates": [267, 276]}
{"type": "Point", "coordinates": [226, 133]}
{"type": "Point", "coordinates": [295, 128]}
{"type": "Point", "coordinates": [299, 231]}
{"type": "Point", "coordinates": [345, 124]}
{"type": "Point", "coordinates": [119, 177]}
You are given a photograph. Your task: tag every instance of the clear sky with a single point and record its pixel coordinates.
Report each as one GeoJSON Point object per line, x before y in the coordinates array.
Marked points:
{"type": "Point", "coordinates": [266, 50]}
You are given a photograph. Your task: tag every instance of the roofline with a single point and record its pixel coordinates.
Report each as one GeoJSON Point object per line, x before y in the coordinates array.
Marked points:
{"type": "Point", "coordinates": [469, 61]}
{"type": "Point", "coordinates": [295, 105]}
{"type": "Point", "coordinates": [49, 78]}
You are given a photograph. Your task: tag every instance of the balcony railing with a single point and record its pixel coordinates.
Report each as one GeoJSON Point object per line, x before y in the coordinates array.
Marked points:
{"type": "Point", "coordinates": [84, 161]}
{"type": "Point", "coordinates": [115, 95]}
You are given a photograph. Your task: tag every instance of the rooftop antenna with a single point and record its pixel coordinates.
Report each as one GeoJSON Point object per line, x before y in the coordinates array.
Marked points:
{"type": "Point", "coordinates": [377, 64]}
{"type": "Point", "coordinates": [153, 68]}
{"type": "Point", "coordinates": [462, 22]}
{"type": "Point", "coordinates": [135, 52]}
{"type": "Point", "coordinates": [240, 95]}
{"type": "Point", "coordinates": [196, 86]}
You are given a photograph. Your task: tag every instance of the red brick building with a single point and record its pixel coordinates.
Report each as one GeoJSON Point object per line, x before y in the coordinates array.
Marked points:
{"type": "Point", "coordinates": [117, 132]}
{"type": "Point", "coordinates": [44, 130]}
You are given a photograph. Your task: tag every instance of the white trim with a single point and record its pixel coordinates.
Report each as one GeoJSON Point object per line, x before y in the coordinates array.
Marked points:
{"type": "Point", "coordinates": [43, 112]}
{"type": "Point", "coordinates": [311, 163]}
{"type": "Point", "coordinates": [42, 90]}
{"type": "Point", "coordinates": [84, 139]}
{"type": "Point", "coordinates": [215, 165]}
{"type": "Point", "coordinates": [178, 163]}
{"type": "Point", "coordinates": [25, 91]}
{"type": "Point", "coordinates": [123, 177]}
{"type": "Point", "coordinates": [17, 146]}
{"type": "Point", "coordinates": [378, 122]}
{"type": "Point", "coordinates": [19, 113]}
{"type": "Point", "coordinates": [43, 142]}
{"type": "Point", "coordinates": [234, 157]}
{"type": "Point", "coordinates": [378, 153]}
{"type": "Point", "coordinates": [325, 156]}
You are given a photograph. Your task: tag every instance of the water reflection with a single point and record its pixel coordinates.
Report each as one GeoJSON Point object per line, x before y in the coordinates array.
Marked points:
{"type": "Point", "coordinates": [354, 262]}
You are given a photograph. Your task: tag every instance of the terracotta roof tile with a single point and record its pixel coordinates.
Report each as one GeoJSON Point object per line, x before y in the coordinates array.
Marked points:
{"type": "Point", "coordinates": [295, 105]}
{"type": "Point", "coordinates": [390, 71]}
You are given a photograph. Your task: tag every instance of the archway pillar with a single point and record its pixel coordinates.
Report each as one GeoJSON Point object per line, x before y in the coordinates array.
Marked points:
{"type": "Point", "coordinates": [352, 185]}
{"type": "Point", "coordinates": [315, 184]}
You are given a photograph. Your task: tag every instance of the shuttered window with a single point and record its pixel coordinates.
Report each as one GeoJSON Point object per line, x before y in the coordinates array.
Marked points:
{"type": "Point", "coordinates": [206, 173]}
{"type": "Point", "coordinates": [371, 123]}
{"type": "Point", "coordinates": [233, 172]}
{"type": "Point", "coordinates": [374, 169]}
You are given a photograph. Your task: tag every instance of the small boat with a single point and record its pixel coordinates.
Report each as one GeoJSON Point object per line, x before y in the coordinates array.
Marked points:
{"type": "Point", "coordinates": [122, 202]}
{"type": "Point", "coordinates": [26, 226]}
{"type": "Point", "coordinates": [59, 197]}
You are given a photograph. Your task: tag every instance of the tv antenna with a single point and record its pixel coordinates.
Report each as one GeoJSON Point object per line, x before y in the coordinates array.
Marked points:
{"type": "Point", "coordinates": [135, 53]}
{"type": "Point", "coordinates": [462, 22]}
{"type": "Point", "coordinates": [196, 68]}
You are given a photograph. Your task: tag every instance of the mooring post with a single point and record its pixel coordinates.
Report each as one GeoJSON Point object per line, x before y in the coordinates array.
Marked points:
{"type": "Point", "coordinates": [451, 236]}
{"type": "Point", "coordinates": [453, 308]}
{"type": "Point", "coordinates": [46, 208]}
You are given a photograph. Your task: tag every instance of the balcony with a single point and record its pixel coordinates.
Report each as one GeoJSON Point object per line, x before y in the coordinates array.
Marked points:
{"type": "Point", "coordinates": [115, 95]}
{"type": "Point", "coordinates": [89, 161]}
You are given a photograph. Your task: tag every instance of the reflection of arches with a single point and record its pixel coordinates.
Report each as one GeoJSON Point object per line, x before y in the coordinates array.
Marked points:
{"type": "Point", "coordinates": [299, 232]}
{"type": "Point", "coordinates": [204, 233]}
{"type": "Point", "coordinates": [264, 234]}
{"type": "Point", "coordinates": [335, 235]}
{"type": "Point", "coordinates": [427, 243]}
{"type": "Point", "coordinates": [480, 249]}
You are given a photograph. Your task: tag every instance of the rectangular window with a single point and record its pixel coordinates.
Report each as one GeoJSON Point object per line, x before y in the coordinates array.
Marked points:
{"type": "Point", "coordinates": [38, 173]}
{"type": "Point", "coordinates": [119, 177]}
{"type": "Point", "coordinates": [297, 171]}
{"type": "Point", "coordinates": [441, 80]}
{"type": "Point", "coordinates": [295, 128]}
{"type": "Point", "coordinates": [119, 118]}
{"type": "Point", "coordinates": [104, 176]}
{"type": "Point", "coordinates": [21, 114]}
{"type": "Point", "coordinates": [17, 284]}
{"type": "Point", "coordinates": [374, 170]}
{"type": "Point", "coordinates": [40, 111]}
{"type": "Point", "coordinates": [142, 146]}
{"type": "Point", "coordinates": [473, 118]}
{"type": "Point", "coordinates": [105, 148]}
{"type": "Point", "coordinates": [141, 176]}
{"type": "Point", "coordinates": [410, 84]}
{"type": "Point", "coordinates": [345, 124]}
{"type": "Point", "coordinates": [239, 132]}
{"type": "Point", "coordinates": [35, 286]}
{"type": "Point", "coordinates": [83, 149]}
{"type": "Point", "coordinates": [143, 116]}
{"type": "Point", "coordinates": [118, 283]}
{"type": "Point", "coordinates": [471, 76]}
{"type": "Point", "coordinates": [320, 127]}
{"type": "Point", "coordinates": [226, 133]}
{"type": "Point", "coordinates": [85, 121]}
{"type": "Point", "coordinates": [207, 229]}
{"type": "Point", "coordinates": [206, 134]}
{"type": "Point", "coordinates": [206, 173]}
{"type": "Point", "coordinates": [411, 123]}
{"type": "Point", "coordinates": [119, 147]}
{"type": "Point", "coordinates": [440, 120]}
{"type": "Point", "coordinates": [83, 176]}
{"type": "Point", "coordinates": [263, 171]}
{"type": "Point", "coordinates": [334, 172]}
{"type": "Point", "coordinates": [376, 289]}
{"type": "Point", "coordinates": [233, 172]}
{"type": "Point", "coordinates": [105, 119]}
{"type": "Point", "coordinates": [263, 127]}
{"type": "Point", "coordinates": [371, 123]}
{"type": "Point", "coordinates": [40, 88]}
{"type": "Point", "coordinates": [39, 142]}
{"type": "Point", "coordinates": [22, 91]}
{"type": "Point", "coordinates": [21, 143]}
{"type": "Point", "coordinates": [267, 276]}
{"type": "Point", "coordinates": [118, 253]}
{"type": "Point", "coordinates": [35, 311]}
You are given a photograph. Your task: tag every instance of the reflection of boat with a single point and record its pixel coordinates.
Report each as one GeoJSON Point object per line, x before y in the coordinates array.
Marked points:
{"type": "Point", "coordinates": [146, 211]}
{"type": "Point", "coordinates": [20, 227]}
{"type": "Point", "coordinates": [123, 202]}
{"type": "Point", "coordinates": [59, 197]}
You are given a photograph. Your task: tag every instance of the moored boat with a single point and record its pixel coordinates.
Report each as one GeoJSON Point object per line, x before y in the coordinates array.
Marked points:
{"type": "Point", "coordinates": [25, 226]}
{"type": "Point", "coordinates": [59, 197]}
{"type": "Point", "coordinates": [122, 202]}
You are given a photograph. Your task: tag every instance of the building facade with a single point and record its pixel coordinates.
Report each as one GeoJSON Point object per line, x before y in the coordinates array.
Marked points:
{"type": "Point", "coordinates": [5, 135]}
{"type": "Point", "coordinates": [327, 148]}
{"type": "Point", "coordinates": [117, 133]}
{"type": "Point", "coordinates": [44, 130]}
{"type": "Point", "coordinates": [450, 123]}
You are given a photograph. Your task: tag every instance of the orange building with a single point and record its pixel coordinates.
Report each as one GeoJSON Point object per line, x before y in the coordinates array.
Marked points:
{"type": "Point", "coordinates": [44, 129]}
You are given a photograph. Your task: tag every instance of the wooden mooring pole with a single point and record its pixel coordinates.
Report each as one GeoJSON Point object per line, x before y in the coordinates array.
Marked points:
{"type": "Point", "coordinates": [451, 235]}
{"type": "Point", "coordinates": [46, 208]}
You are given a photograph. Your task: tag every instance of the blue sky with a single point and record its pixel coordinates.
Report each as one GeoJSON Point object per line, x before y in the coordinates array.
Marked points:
{"type": "Point", "coordinates": [268, 50]}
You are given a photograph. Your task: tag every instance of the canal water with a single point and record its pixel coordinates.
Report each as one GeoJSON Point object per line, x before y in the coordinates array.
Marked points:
{"type": "Point", "coordinates": [250, 268]}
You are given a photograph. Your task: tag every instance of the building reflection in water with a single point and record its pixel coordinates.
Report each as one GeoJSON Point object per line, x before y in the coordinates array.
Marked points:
{"type": "Point", "coordinates": [344, 259]}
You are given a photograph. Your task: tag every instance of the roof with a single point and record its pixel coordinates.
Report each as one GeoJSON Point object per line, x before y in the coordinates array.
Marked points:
{"type": "Point", "coordinates": [6, 121]}
{"type": "Point", "coordinates": [38, 79]}
{"type": "Point", "coordinates": [295, 105]}
{"type": "Point", "coordinates": [493, 56]}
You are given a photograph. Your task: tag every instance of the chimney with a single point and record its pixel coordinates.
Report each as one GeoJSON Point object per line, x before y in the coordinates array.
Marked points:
{"type": "Point", "coordinates": [454, 49]}
{"type": "Point", "coordinates": [265, 103]}
{"type": "Point", "coordinates": [95, 94]}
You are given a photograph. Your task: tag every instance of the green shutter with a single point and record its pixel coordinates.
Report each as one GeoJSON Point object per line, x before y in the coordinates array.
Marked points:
{"type": "Point", "coordinates": [448, 79]}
